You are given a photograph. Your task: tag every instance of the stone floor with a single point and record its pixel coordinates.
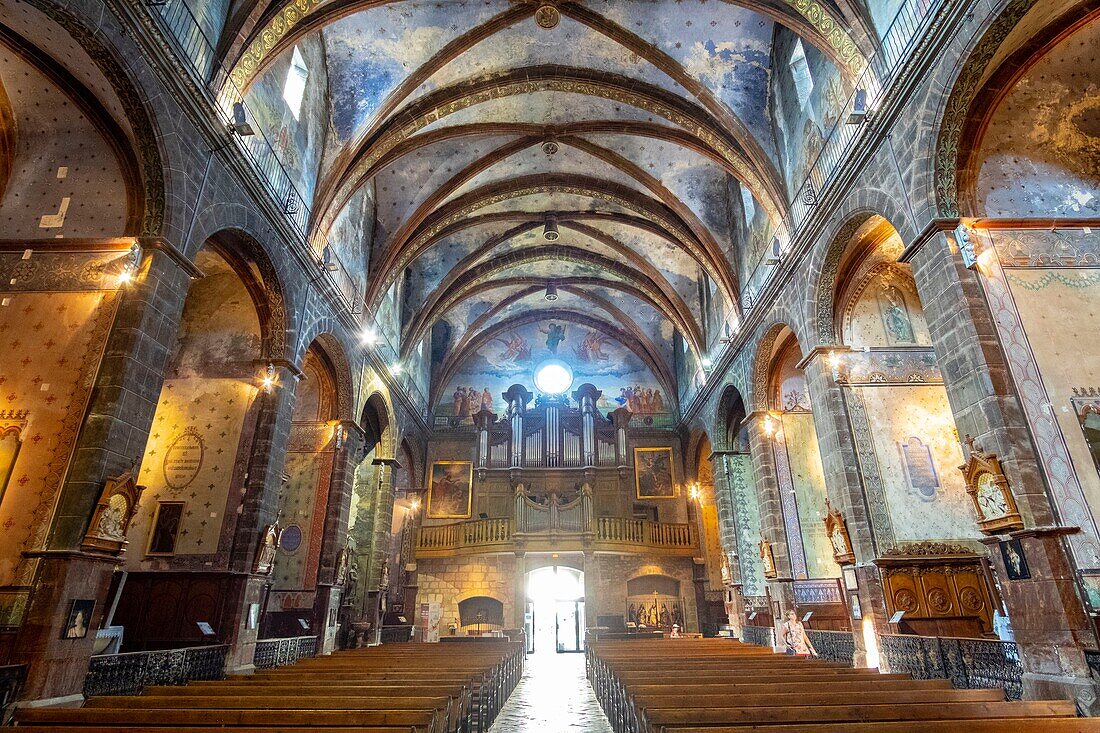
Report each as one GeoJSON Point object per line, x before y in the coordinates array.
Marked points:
{"type": "Point", "coordinates": [554, 696]}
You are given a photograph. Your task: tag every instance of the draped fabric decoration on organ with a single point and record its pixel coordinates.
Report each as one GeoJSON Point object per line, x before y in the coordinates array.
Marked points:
{"type": "Point", "coordinates": [538, 327]}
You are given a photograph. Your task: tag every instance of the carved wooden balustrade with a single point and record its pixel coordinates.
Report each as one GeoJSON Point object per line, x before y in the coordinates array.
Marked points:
{"type": "Point", "coordinates": [557, 527]}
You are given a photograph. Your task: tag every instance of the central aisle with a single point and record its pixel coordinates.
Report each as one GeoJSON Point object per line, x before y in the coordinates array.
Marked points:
{"type": "Point", "coordinates": [553, 696]}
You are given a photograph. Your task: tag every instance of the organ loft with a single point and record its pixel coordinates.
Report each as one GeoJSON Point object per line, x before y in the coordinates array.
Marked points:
{"type": "Point", "coordinates": [459, 366]}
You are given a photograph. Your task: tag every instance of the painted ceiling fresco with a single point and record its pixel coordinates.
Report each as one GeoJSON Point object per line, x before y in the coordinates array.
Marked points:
{"type": "Point", "coordinates": [435, 139]}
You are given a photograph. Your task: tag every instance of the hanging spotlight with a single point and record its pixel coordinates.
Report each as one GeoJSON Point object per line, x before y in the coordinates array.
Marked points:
{"type": "Point", "coordinates": [240, 124]}
{"type": "Point", "coordinates": [859, 108]}
{"type": "Point", "coordinates": [551, 291]}
{"type": "Point", "coordinates": [550, 230]}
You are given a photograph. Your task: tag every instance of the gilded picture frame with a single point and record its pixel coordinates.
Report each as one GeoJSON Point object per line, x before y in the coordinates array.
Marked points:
{"type": "Point", "coordinates": [450, 489]}
{"type": "Point", "coordinates": [653, 473]}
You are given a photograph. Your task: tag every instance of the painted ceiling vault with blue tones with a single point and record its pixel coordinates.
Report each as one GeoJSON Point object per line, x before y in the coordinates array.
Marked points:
{"type": "Point", "coordinates": [482, 167]}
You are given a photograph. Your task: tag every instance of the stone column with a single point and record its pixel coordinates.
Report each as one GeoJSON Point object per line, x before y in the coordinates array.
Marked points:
{"type": "Point", "coordinates": [1050, 624]}
{"type": "Point", "coordinates": [591, 588]}
{"type": "Point", "coordinates": [112, 438]}
{"type": "Point", "coordinates": [334, 534]}
{"type": "Point", "coordinates": [262, 495]}
{"type": "Point", "coordinates": [843, 481]}
{"type": "Point", "coordinates": [519, 605]}
{"type": "Point", "coordinates": [772, 528]}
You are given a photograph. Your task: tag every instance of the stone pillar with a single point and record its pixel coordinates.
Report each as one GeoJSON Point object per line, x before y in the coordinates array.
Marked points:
{"type": "Point", "coordinates": [772, 528]}
{"type": "Point", "coordinates": [1050, 625]}
{"type": "Point", "coordinates": [334, 535]}
{"type": "Point", "coordinates": [591, 589]}
{"type": "Point", "coordinates": [843, 481]}
{"type": "Point", "coordinates": [262, 497]}
{"type": "Point", "coordinates": [519, 606]}
{"type": "Point", "coordinates": [112, 438]}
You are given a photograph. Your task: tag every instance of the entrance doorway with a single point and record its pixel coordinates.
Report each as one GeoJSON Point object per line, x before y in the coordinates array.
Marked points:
{"type": "Point", "coordinates": [554, 621]}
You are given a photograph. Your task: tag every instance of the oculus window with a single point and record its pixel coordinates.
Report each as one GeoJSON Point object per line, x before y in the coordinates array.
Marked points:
{"type": "Point", "coordinates": [553, 376]}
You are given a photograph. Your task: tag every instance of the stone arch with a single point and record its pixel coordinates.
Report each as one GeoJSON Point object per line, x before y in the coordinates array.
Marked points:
{"type": "Point", "coordinates": [135, 105]}
{"type": "Point", "coordinates": [333, 350]}
{"type": "Point", "coordinates": [728, 418]}
{"type": "Point", "coordinates": [380, 419]}
{"type": "Point", "coordinates": [762, 363]}
{"type": "Point", "coordinates": [265, 284]}
{"type": "Point", "coordinates": [957, 124]}
{"type": "Point", "coordinates": [828, 272]}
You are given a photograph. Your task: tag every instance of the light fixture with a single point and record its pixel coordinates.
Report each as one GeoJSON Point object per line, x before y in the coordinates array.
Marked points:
{"type": "Point", "coordinates": [550, 229]}
{"type": "Point", "coordinates": [369, 337]}
{"type": "Point", "coordinates": [769, 425]}
{"type": "Point", "coordinates": [695, 492]}
{"type": "Point", "coordinates": [551, 291]}
{"type": "Point", "coordinates": [396, 368]}
{"type": "Point", "coordinates": [775, 253]}
{"type": "Point", "coordinates": [328, 263]}
{"type": "Point", "coordinates": [267, 382]}
{"type": "Point", "coordinates": [130, 264]}
{"type": "Point", "coordinates": [414, 504]}
{"type": "Point", "coordinates": [240, 124]}
{"type": "Point", "coordinates": [553, 377]}
{"type": "Point", "coordinates": [968, 248]}
{"type": "Point", "coordinates": [706, 362]}
{"type": "Point", "coordinates": [859, 107]}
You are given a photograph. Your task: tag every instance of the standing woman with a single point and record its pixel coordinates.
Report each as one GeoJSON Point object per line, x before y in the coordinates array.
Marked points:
{"type": "Point", "coordinates": [795, 639]}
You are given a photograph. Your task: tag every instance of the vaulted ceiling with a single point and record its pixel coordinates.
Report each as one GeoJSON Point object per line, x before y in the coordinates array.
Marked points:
{"type": "Point", "coordinates": [448, 137]}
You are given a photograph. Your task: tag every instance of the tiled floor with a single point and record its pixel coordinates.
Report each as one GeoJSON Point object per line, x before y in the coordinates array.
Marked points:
{"type": "Point", "coordinates": [554, 696]}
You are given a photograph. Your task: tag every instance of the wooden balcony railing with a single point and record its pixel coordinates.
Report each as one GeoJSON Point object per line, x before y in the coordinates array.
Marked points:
{"type": "Point", "coordinates": [482, 535]}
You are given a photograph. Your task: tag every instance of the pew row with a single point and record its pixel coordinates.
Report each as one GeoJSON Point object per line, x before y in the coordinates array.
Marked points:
{"type": "Point", "coordinates": [417, 688]}
{"type": "Point", "coordinates": [724, 686]}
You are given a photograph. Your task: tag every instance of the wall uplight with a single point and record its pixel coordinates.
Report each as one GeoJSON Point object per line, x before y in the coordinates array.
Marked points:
{"type": "Point", "coordinates": [267, 382]}
{"type": "Point", "coordinates": [414, 504]}
{"type": "Point", "coordinates": [396, 368]}
{"type": "Point", "coordinates": [369, 337]}
{"type": "Point", "coordinates": [694, 492]}
{"type": "Point", "coordinates": [130, 265]}
{"type": "Point", "coordinates": [770, 426]}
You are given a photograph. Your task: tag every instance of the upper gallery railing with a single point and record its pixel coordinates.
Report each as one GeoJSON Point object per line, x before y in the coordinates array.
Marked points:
{"type": "Point", "coordinates": [486, 534]}
{"type": "Point", "coordinates": [872, 85]}
{"type": "Point", "coordinates": [197, 53]}
{"type": "Point", "coordinates": [286, 650]}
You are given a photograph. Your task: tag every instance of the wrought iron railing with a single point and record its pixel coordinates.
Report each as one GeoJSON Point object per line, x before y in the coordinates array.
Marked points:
{"type": "Point", "coordinates": [12, 677]}
{"type": "Point", "coordinates": [196, 52]}
{"type": "Point", "coordinates": [968, 663]}
{"type": "Point", "coordinates": [843, 138]}
{"type": "Point", "coordinates": [758, 635]}
{"type": "Point", "coordinates": [280, 652]}
{"type": "Point", "coordinates": [836, 646]}
{"type": "Point", "coordinates": [132, 672]}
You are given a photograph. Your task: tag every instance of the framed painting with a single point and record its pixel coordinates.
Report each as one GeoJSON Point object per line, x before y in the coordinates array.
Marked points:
{"type": "Point", "coordinates": [653, 473]}
{"type": "Point", "coordinates": [80, 618]}
{"type": "Point", "coordinates": [449, 488]}
{"type": "Point", "coordinates": [166, 527]}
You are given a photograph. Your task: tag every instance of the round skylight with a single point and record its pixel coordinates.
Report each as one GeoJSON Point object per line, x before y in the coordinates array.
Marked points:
{"type": "Point", "coordinates": [553, 377]}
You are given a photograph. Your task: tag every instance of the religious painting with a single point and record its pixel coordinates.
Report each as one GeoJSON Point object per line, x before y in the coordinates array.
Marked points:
{"type": "Point", "coordinates": [920, 469]}
{"type": "Point", "coordinates": [1012, 552]}
{"type": "Point", "coordinates": [449, 489]}
{"type": "Point", "coordinates": [857, 610]}
{"type": "Point", "coordinates": [166, 527]}
{"type": "Point", "coordinates": [1090, 425]}
{"type": "Point", "coordinates": [80, 618]}
{"type": "Point", "coordinates": [653, 473]}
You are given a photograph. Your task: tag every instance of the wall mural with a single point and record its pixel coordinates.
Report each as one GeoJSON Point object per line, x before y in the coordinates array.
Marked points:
{"type": "Point", "coordinates": [807, 479]}
{"type": "Point", "coordinates": [190, 458]}
{"type": "Point", "coordinates": [512, 355]}
{"type": "Point", "coordinates": [47, 378]}
{"type": "Point", "coordinates": [917, 451]}
{"type": "Point", "coordinates": [1059, 309]}
{"type": "Point", "coordinates": [1040, 155]}
{"type": "Point", "coordinates": [746, 507]}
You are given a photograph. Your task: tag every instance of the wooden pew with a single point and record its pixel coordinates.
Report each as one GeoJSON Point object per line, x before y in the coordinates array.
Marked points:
{"type": "Point", "coordinates": [722, 686]}
{"type": "Point", "coordinates": [419, 688]}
